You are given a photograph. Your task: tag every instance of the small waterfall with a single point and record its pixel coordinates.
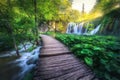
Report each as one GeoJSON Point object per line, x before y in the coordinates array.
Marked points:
{"type": "Point", "coordinates": [67, 31]}
{"type": "Point", "coordinates": [94, 31]}
{"type": "Point", "coordinates": [21, 66]}
{"type": "Point", "coordinates": [86, 29]}
{"type": "Point", "coordinates": [27, 62]}
{"type": "Point", "coordinates": [80, 30]}
{"type": "Point", "coordinates": [70, 28]}
{"type": "Point", "coordinates": [75, 29]}
{"type": "Point", "coordinates": [13, 52]}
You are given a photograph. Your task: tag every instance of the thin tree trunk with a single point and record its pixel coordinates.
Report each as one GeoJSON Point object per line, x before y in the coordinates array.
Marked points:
{"type": "Point", "coordinates": [36, 22]}
{"type": "Point", "coordinates": [24, 46]}
{"type": "Point", "coordinates": [15, 45]}
{"type": "Point", "coordinates": [10, 30]}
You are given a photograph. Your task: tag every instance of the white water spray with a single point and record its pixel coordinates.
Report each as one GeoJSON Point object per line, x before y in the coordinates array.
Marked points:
{"type": "Point", "coordinates": [80, 30]}
{"type": "Point", "coordinates": [94, 31]}
{"type": "Point", "coordinates": [24, 64]}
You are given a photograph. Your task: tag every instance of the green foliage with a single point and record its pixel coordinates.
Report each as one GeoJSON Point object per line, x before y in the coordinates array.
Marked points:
{"type": "Point", "coordinates": [5, 42]}
{"type": "Point", "coordinates": [18, 19]}
{"type": "Point", "coordinates": [107, 5]}
{"type": "Point", "coordinates": [31, 48]}
{"type": "Point", "coordinates": [89, 61]}
{"type": "Point", "coordinates": [101, 53]}
{"type": "Point", "coordinates": [110, 23]}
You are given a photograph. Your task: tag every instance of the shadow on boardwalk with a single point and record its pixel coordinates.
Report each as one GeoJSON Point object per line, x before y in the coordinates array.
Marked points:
{"type": "Point", "coordinates": [56, 62]}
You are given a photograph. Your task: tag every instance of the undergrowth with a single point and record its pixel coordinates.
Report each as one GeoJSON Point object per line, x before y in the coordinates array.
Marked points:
{"type": "Point", "coordinates": [100, 53]}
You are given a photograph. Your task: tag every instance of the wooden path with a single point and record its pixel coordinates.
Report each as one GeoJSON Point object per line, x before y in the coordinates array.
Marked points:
{"type": "Point", "coordinates": [56, 62]}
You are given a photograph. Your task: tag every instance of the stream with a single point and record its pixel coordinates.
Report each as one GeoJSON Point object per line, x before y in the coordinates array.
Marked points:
{"type": "Point", "coordinates": [14, 68]}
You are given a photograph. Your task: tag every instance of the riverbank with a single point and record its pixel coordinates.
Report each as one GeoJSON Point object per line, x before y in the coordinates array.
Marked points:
{"type": "Point", "coordinates": [20, 68]}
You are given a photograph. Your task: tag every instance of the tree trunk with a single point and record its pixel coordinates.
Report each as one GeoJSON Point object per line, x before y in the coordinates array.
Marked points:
{"type": "Point", "coordinates": [54, 26]}
{"type": "Point", "coordinates": [10, 31]}
{"type": "Point", "coordinates": [15, 45]}
{"type": "Point", "coordinates": [9, 27]}
{"type": "Point", "coordinates": [24, 46]}
{"type": "Point", "coordinates": [36, 22]}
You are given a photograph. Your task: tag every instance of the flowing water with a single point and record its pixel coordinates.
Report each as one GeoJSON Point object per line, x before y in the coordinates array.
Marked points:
{"type": "Point", "coordinates": [14, 68]}
{"type": "Point", "coordinates": [79, 29]}
{"type": "Point", "coordinates": [94, 31]}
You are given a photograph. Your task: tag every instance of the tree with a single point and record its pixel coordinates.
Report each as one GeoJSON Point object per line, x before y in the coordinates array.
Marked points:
{"type": "Point", "coordinates": [106, 5]}
{"type": "Point", "coordinates": [16, 21]}
{"type": "Point", "coordinates": [48, 11]}
{"type": "Point", "coordinates": [9, 26]}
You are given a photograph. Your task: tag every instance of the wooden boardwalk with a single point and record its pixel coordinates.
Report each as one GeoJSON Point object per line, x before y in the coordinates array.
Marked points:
{"type": "Point", "coordinates": [56, 62]}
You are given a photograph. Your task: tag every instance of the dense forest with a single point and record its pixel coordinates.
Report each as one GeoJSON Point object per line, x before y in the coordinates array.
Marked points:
{"type": "Point", "coordinates": [23, 21]}
{"type": "Point", "coordinates": [25, 17]}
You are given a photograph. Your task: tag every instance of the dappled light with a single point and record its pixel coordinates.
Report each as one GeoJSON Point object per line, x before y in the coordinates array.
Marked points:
{"type": "Point", "coordinates": [86, 4]}
{"type": "Point", "coordinates": [87, 29]}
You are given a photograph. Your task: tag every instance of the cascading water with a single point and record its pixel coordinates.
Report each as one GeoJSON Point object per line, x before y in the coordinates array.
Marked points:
{"type": "Point", "coordinates": [18, 68]}
{"type": "Point", "coordinates": [70, 28]}
{"type": "Point", "coordinates": [74, 28]}
{"type": "Point", "coordinates": [27, 62]}
{"type": "Point", "coordinates": [12, 53]}
{"type": "Point", "coordinates": [78, 29]}
{"type": "Point", "coordinates": [94, 31]}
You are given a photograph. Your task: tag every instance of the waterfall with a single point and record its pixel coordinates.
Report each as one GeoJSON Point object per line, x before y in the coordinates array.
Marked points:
{"type": "Point", "coordinates": [19, 67]}
{"type": "Point", "coordinates": [79, 29]}
{"type": "Point", "coordinates": [75, 29]}
{"type": "Point", "coordinates": [26, 62]}
{"type": "Point", "coordinates": [67, 29]}
{"type": "Point", "coordinates": [70, 28]}
{"type": "Point", "coordinates": [94, 31]}
{"type": "Point", "coordinates": [86, 29]}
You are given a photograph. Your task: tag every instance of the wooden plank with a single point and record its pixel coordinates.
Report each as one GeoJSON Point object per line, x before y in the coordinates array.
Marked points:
{"type": "Point", "coordinates": [56, 63]}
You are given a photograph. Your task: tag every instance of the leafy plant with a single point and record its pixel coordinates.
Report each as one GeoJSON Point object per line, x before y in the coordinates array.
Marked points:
{"type": "Point", "coordinates": [101, 53]}
{"type": "Point", "coordinates": [89, 61]}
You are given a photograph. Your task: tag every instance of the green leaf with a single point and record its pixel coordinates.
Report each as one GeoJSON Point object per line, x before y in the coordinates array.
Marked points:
{"type": "Point", "coordinates": [103, 61]}
{"type": "Point", "coordinates": [97, 48]}
{"type": "Point", "coordinates": [89, 61]}
{"type": "Point", "coordinates": [107, 76]}
{"type": "Point", "coordinates": [110, 54]}
{"type": "Point", "coordinates": [88, 52]}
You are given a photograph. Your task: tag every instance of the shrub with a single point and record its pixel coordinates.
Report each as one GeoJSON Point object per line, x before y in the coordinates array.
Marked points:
{"type": "Point", "coordinates": [100, 53]}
